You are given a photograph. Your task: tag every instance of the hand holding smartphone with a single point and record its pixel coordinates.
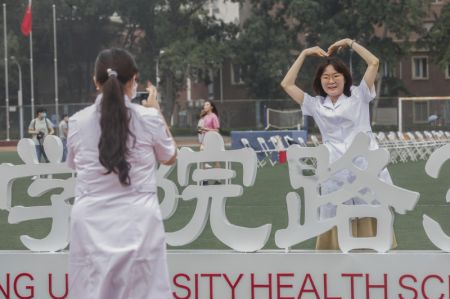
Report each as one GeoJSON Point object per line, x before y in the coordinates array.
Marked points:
{"type": "Point", "coordinates": [152, 96]}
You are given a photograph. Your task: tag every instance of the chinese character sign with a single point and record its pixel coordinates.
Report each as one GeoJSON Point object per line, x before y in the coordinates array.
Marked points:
{"type": "Point", "coordinates": [432, 228]}
{"type": "Point", "coordinates": [347, 188]}
{"type": "Point", "coordinates": [237, 237]}
{"type": "Point", "coordinates": [356, 192]}
{"type": "Point", "coordinates": [59, 209]}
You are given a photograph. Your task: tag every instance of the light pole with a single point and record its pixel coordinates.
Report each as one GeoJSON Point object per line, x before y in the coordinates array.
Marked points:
{"type": "Point", "coordinates": [6, 72]}
{"type": "Point", "coordinates": [19, 96]}
{"type": "Point", "coordinates": [161, 52]}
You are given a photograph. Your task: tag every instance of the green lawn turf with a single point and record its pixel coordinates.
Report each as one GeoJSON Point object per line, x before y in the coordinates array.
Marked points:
{"type": "Point", "coordinates": [263, 203]}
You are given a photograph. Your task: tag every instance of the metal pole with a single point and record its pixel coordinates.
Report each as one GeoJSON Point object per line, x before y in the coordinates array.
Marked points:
{"type": "Point", "coordinates": [188, 85]}
{"type": "Point", "coordinates": [55, 61]}
{"type": "Point", "coordinates": [400, 120]}
{"type": "Point", "coordinates": [161, 52]}
{"type": "Point", "coordinates": [221, 84]}
{"type": "Point", "coordinates": [6, 72]}
{"type": "Point", "coordinates": [31, 74]}
{"type": "Point", "coordinates": [157, 72]}
{"type": "Point", "coordinates": [19, 96]}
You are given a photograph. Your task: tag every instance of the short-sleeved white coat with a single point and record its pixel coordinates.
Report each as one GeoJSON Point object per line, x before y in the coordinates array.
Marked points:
{"type": "Point", "coordinates": [339, 123]}
{"type": "Point", "coordinates": [117, 247]}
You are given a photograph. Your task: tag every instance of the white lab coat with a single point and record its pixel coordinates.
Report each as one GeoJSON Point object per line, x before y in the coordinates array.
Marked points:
{"type": "Point", "coordinates": [338, 125]}
{"type": "Point", "coordinates": [117, 247]}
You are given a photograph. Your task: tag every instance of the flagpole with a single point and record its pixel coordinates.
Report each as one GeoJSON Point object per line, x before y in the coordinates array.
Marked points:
{"type": "Point", "coordinates": [55, 61]}
{"type": "Point", "coordinates": [32, 75]}
{"type": "Point", "coordinates": [6, 72]}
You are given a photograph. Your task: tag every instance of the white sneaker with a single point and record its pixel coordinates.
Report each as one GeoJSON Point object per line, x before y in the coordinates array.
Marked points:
{"type": "Point", "coordinates": [208, 165]}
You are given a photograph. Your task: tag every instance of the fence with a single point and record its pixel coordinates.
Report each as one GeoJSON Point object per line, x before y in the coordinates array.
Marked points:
{"type": "Point", "coordinates": [248, 114]}
{"type": "Point", "coordinates": [14, 117]}
{"type": "Point", "coordinates": [234, 114]}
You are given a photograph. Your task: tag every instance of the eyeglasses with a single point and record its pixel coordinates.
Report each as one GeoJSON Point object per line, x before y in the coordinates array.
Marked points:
{"type": "Point", "coordinates": [333, 76]}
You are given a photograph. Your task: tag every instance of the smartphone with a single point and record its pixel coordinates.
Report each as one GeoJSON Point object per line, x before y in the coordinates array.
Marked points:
{"type": "Point", "coordinates": [141, 95]}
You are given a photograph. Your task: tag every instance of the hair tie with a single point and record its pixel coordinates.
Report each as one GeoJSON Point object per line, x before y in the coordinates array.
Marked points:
{"type": "Point", "coordinates": [111, 73]}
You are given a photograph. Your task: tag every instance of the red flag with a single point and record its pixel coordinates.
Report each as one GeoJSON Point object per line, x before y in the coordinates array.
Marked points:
{"type": "Point", "coordinates": [27, 21]}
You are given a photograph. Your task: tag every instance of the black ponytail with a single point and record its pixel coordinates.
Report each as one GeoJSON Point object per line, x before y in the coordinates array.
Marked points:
{"type": "Point", "coordinates": [114, 68]}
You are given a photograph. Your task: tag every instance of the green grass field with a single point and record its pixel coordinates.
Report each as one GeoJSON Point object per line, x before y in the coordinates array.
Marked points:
{"type": "Point", "coordinates": [263, 203]}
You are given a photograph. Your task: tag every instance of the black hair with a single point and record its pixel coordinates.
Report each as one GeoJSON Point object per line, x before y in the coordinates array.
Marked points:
{"type": "Point", "coordinates": [40, 110]}
{"type": "Point", "coordinates": [113, 69]}
{"type": "Point", "coordinates": [340, 67]}
{"type": "Point", "coordinates": [213, 106]}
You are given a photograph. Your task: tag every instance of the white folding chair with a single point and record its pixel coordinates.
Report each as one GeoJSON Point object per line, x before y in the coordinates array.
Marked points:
{"type": "Point", "coordinates": [387, 144]}
{"type": "Point", "coordinates": [408, 146]}
{"type": "Point", "coordinates": [277, 143]}
{"type": "Point", "coordinates": [246, 143]}
{"type": "Point", "coordinates": [301, 142]}
{"type": "Point", "coordinates": [428, 145]}
{"type": "Point", "coordinates": [266, 150]}
{"type": "Point", "coordinates": [315, 140]}
{"type": "Point", "coordinates": [398, 148]}
{"type": "Point", "coordinates": [420, 147]}
{"type": "Point", "coordinates": [430, 138]}
{"type": "Point", "coordinates": [289, 140]}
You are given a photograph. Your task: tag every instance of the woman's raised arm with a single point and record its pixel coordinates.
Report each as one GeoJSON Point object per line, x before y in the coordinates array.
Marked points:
{"type": "Point", "coordinates": [288, 82]}
{"type": "Point", "coordinates": [372, 61]}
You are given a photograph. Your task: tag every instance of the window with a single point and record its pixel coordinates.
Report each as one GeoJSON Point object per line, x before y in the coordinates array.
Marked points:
{"type": "Point", "coordinates": [388, 70]}
{"type": "Point", "coordinates": [236, 74]}
{"type": "Point", "coordinates": [420, 111]}
{"type": "Point", "coordinates": [420, 67]}
{"type": "Point", "coordinates": [197, 75]}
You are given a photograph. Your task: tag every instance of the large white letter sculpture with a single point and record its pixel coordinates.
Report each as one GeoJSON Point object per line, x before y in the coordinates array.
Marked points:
{"type": "Point", "coordinates": [432, 228]}
{"type": "Point", "coordinates": [374, 196]}
{"type": "Point", "coordinates": [58, 211]}
{"type": "Point", "coordinates": [237, 237]}
{"type": "Point", "coordinates": [360, 184]}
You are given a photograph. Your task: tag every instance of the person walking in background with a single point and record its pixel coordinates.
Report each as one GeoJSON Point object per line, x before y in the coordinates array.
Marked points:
{"type": "Point", "coordinates": [62, 131]}
{"type": "Point", "coordinates": [117, 247]}
{"type": "Point", "coordinates": [341, 111]}
{"type": "Point", "coordinates": [210, 123]}
{"type": "Point", "coordinates": [211, 119]}
{"type": "Point", "coordinates": [39, 128]}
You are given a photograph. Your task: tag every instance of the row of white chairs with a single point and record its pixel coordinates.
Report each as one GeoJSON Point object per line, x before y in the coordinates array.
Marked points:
{"type": "Point", "coordinates": [411, 146]}
{"type": "Point", "coordinates": [408, 146]}
{"type": "Point", "coordinates": [402, 146]}
{"type": "Point", "coordinates": [268, 151]}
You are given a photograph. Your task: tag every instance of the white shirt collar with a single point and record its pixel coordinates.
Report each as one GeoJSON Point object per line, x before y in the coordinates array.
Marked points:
{"type": "Point", "coordinates": [329, 104]}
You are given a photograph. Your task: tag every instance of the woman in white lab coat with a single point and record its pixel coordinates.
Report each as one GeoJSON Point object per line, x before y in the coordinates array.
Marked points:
{"type": "Point", "coordinates": [341, 111]}
{"type": "Point", "coordinates": [117, 247]}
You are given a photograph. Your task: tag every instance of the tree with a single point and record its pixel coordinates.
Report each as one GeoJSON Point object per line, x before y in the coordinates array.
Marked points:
{"type": "Point", "coordinates": [437, 39]}
{"type": "Point", "coordinates": [83, 28]}
{"type": "Point", "coordinates": [262, 50]}
{"type": "Point", "coordinates": [190, 38]}
{"type": "Point", "coordinates": [375, 24]}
